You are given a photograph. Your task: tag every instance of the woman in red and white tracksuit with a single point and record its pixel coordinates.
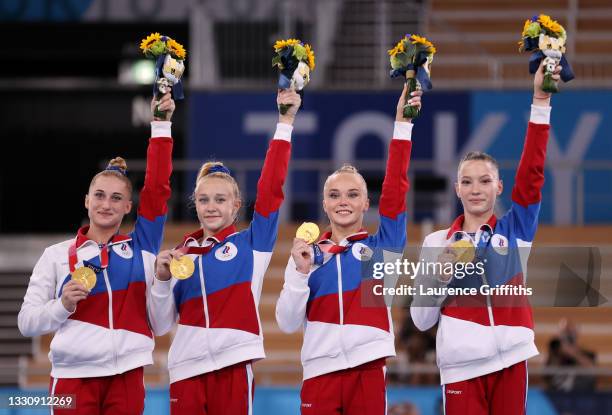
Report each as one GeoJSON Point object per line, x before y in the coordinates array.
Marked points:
{"type": "Point", "coordinates": [346, 336]}
{"type": "Point", "coordinates": [102, 335]}
{"type": "Point", "coordinates": [484, 341]}
{"type": "Point", "coordinates": [219, 333]}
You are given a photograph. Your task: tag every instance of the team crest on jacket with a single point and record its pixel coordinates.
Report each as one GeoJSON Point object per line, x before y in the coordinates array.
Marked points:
{"type": "Point", "coordinates": [226, 252]}
{"type": "Point", "coordinates": [362, 252]}
{"type": "Point", "coordinates": [123, 250]}
{"type": "Point", "coordinates": [500, 244]}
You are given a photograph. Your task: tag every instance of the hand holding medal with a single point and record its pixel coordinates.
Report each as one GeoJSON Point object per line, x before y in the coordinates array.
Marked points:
{"type": "Point", "coordinates": [295, 61]}
{"type": "Point", "coordinates": [463, 250]}
{"type": "Point", "coordinates": [86, 276]}
{"type": "Point", "coordinates": [308, 232]}
{"type": "Point", "coordinates": [411, 58]}
{"type": "Point", "coordinates": [173, 263]}
{"type": "Point", "coordinates": [169, 58]}
{"type": "Point", "coordinates": [302, 250]}
{"type": "Point", "coordinates": [546, 38]}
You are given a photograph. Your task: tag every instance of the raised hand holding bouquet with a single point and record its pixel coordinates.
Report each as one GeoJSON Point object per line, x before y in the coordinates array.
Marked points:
{"type": "Point", "coordinates": [295, 61]}
{"type": "Point", "coordinates": [169, 58]}
{"type": "Point", "coordinates": [545, 38]}
{"type": "Point", "coordinates": [412, 57]}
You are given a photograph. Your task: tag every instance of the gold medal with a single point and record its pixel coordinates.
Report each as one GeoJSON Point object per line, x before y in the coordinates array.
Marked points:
{"type": "Point", "coordinates": [85, 276]}
{"type": "Point", "coordinates": [308, 231]}
{"type": "Point", "coordinates": [182, 268]}
{"type": "Point", "coordinates": [464, 250]}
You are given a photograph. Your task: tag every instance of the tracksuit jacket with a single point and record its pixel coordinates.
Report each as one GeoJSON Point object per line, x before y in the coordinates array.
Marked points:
{"type": "Point", "coordinates": [110, 332]}
{"type": "Point", "coordinates": [217, 307]}
{"type": "Point", "coordinates": [341, 329]}
{"type": "Point", "coordinates": [487, 333]}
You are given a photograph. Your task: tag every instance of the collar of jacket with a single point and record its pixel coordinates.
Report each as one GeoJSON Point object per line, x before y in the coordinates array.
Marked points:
{"type": "Point", "coordinates": [457, 225]}
{"type": "Point", "coordinates": [82, 238]}
{"type": "Point", "coordinates": [217, 238]}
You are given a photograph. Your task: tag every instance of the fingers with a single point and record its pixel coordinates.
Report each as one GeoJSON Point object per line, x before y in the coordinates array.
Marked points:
{"type": "Point", "coordinates": [300, 248]}
{"type": "Point", "coordinates": [164, 257]}
{"type": "Point", "coordinates": [299, 244]}
{"type": "Point", "coordinates": [166, 103]}
{"type": "Point", "coordinates": [288, 96]}
{"type": "Point", "coordinates": [74, 286]}
{"type": "Point", "coordinates": [73, 292]}
{"type": "Point", "coordinates": [415, 100]}
{"type": "Point", "coordinates": [557, 73]}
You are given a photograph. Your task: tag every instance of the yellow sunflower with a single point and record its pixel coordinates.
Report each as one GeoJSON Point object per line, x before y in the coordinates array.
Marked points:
{"type": "Point", "coordinates": [149, 41]}
{"type": "Point", "coordinates": [419, 40]}
{"type": "Point", "coordinates": [281, 44]}
{"type": "Point", "coordinates": [525, 26]}
{"type": "Point", "coordinates": [550, 25]}
{"type": "Point", "coordinates": [399, 48]}
{"type": "Point", "coordinates": [176, 49]}
{"type": "Point", "coordinates": [311, 56]}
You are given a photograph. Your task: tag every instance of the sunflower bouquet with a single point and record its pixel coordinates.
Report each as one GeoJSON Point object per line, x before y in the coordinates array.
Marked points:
{"type": "Point", "coordinates": [169, 58]}
{"type": "Point", "coordinates": [295, 61]}
{"type": "Point", "coordinates": [411, 58]}
{"type": "Point", "coordinates": [546, 38]}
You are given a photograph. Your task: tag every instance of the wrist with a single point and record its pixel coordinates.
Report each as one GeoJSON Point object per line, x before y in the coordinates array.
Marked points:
{"type": "Point", "coordinates": [68, 306]}
{"type": "Point", "coordinates": [284, 119]}
{"type": "Point", "coordinates": [162, 277]}
{"type": "Point", "coordinates": [302, 270]}
{"type": "Point", "coordinates": [541, 97]}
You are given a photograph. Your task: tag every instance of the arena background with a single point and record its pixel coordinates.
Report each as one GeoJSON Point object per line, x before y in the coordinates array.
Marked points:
{"type": "Point", "coordinates": [75, 92]}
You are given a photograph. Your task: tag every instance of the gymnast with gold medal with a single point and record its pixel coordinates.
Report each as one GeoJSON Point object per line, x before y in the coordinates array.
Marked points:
{"type": "Point", "coordinates": [93, 290]}
{"type": "Point", "coordinates": [210, 284]}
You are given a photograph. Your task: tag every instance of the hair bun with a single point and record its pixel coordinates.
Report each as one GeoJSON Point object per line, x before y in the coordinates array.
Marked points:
{"type": "Point", "coordinates": [347, 168]}
{"type": "Point", "coordinates": [211, 167]}
{"type": "Point", "coordinates": [117, 164]}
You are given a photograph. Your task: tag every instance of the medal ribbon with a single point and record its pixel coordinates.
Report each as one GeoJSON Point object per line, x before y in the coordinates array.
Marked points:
{"type": "Point", "coordinates": [197, 250]}
{"type": "Point", "coordinates": [327, 246]}
{"type": "Point", "coordinates": [72, 258]}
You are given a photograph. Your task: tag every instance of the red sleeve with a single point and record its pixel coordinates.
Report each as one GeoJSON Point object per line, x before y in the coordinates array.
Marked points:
{"type": "Point", "coordinates": [270, 185]}
{"type": "Point", "coordinates": [530, 174]}
{"type": "Point", "coordinates": [395, 186]}
{"type": "Point", "coordinates": [156, 190]}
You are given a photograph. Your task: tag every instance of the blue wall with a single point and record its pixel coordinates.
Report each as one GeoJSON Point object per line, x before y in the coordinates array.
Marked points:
{"type": "Point", "coordinates": [237, 126]}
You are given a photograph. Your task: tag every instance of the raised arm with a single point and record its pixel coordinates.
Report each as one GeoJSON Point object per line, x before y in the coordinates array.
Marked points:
{"type": "Point", "coordinates": [529, 180]}
{"type": "Point", "coordinates": [392, 206]}
{"type": "Point", "coordinates": [155, 193]}
{"type": "Point", "coordinates": [152, 211]}
{"type": "Point", "coordinates": [270, 185]}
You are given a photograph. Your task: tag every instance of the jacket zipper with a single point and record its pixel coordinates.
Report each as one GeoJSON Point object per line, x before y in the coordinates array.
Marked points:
{"type": "Point", "coordinates": [340, 304]}
{"type": "Point", "coordinates": [489, 305]}
{"type": "Point", "coordinates": [205, 305]}
{"type": "Point", "coordinates": [204, 300]}
{"type": "Point", "coordinates": [111, 323]}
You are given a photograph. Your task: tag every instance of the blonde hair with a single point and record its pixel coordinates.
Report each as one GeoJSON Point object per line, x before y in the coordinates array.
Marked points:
{"type": "Point", "coordinates": [117, 168]}
{"type": "Point", "coordinates": [218, 171]}
{"type": "Point", "coordinates": [347, 169]}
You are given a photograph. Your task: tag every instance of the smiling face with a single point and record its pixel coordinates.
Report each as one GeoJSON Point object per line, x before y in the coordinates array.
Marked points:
{"type": "Point", "coordinates": [108, 201]}
{"type": "Point", "coordinates": [345, 200]}
{"type": "Point", "coordinates": [216, 204]}
{"type": "Point", "coordinates": [478, 186]}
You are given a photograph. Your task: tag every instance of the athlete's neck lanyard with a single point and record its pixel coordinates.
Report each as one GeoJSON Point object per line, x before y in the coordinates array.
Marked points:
{"type": "Point", "coordinates": [72, 258]}
{"type": "Point", "coordinates": [327, 246]}
{"type": "Point", "coordinates": [197, 250]}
